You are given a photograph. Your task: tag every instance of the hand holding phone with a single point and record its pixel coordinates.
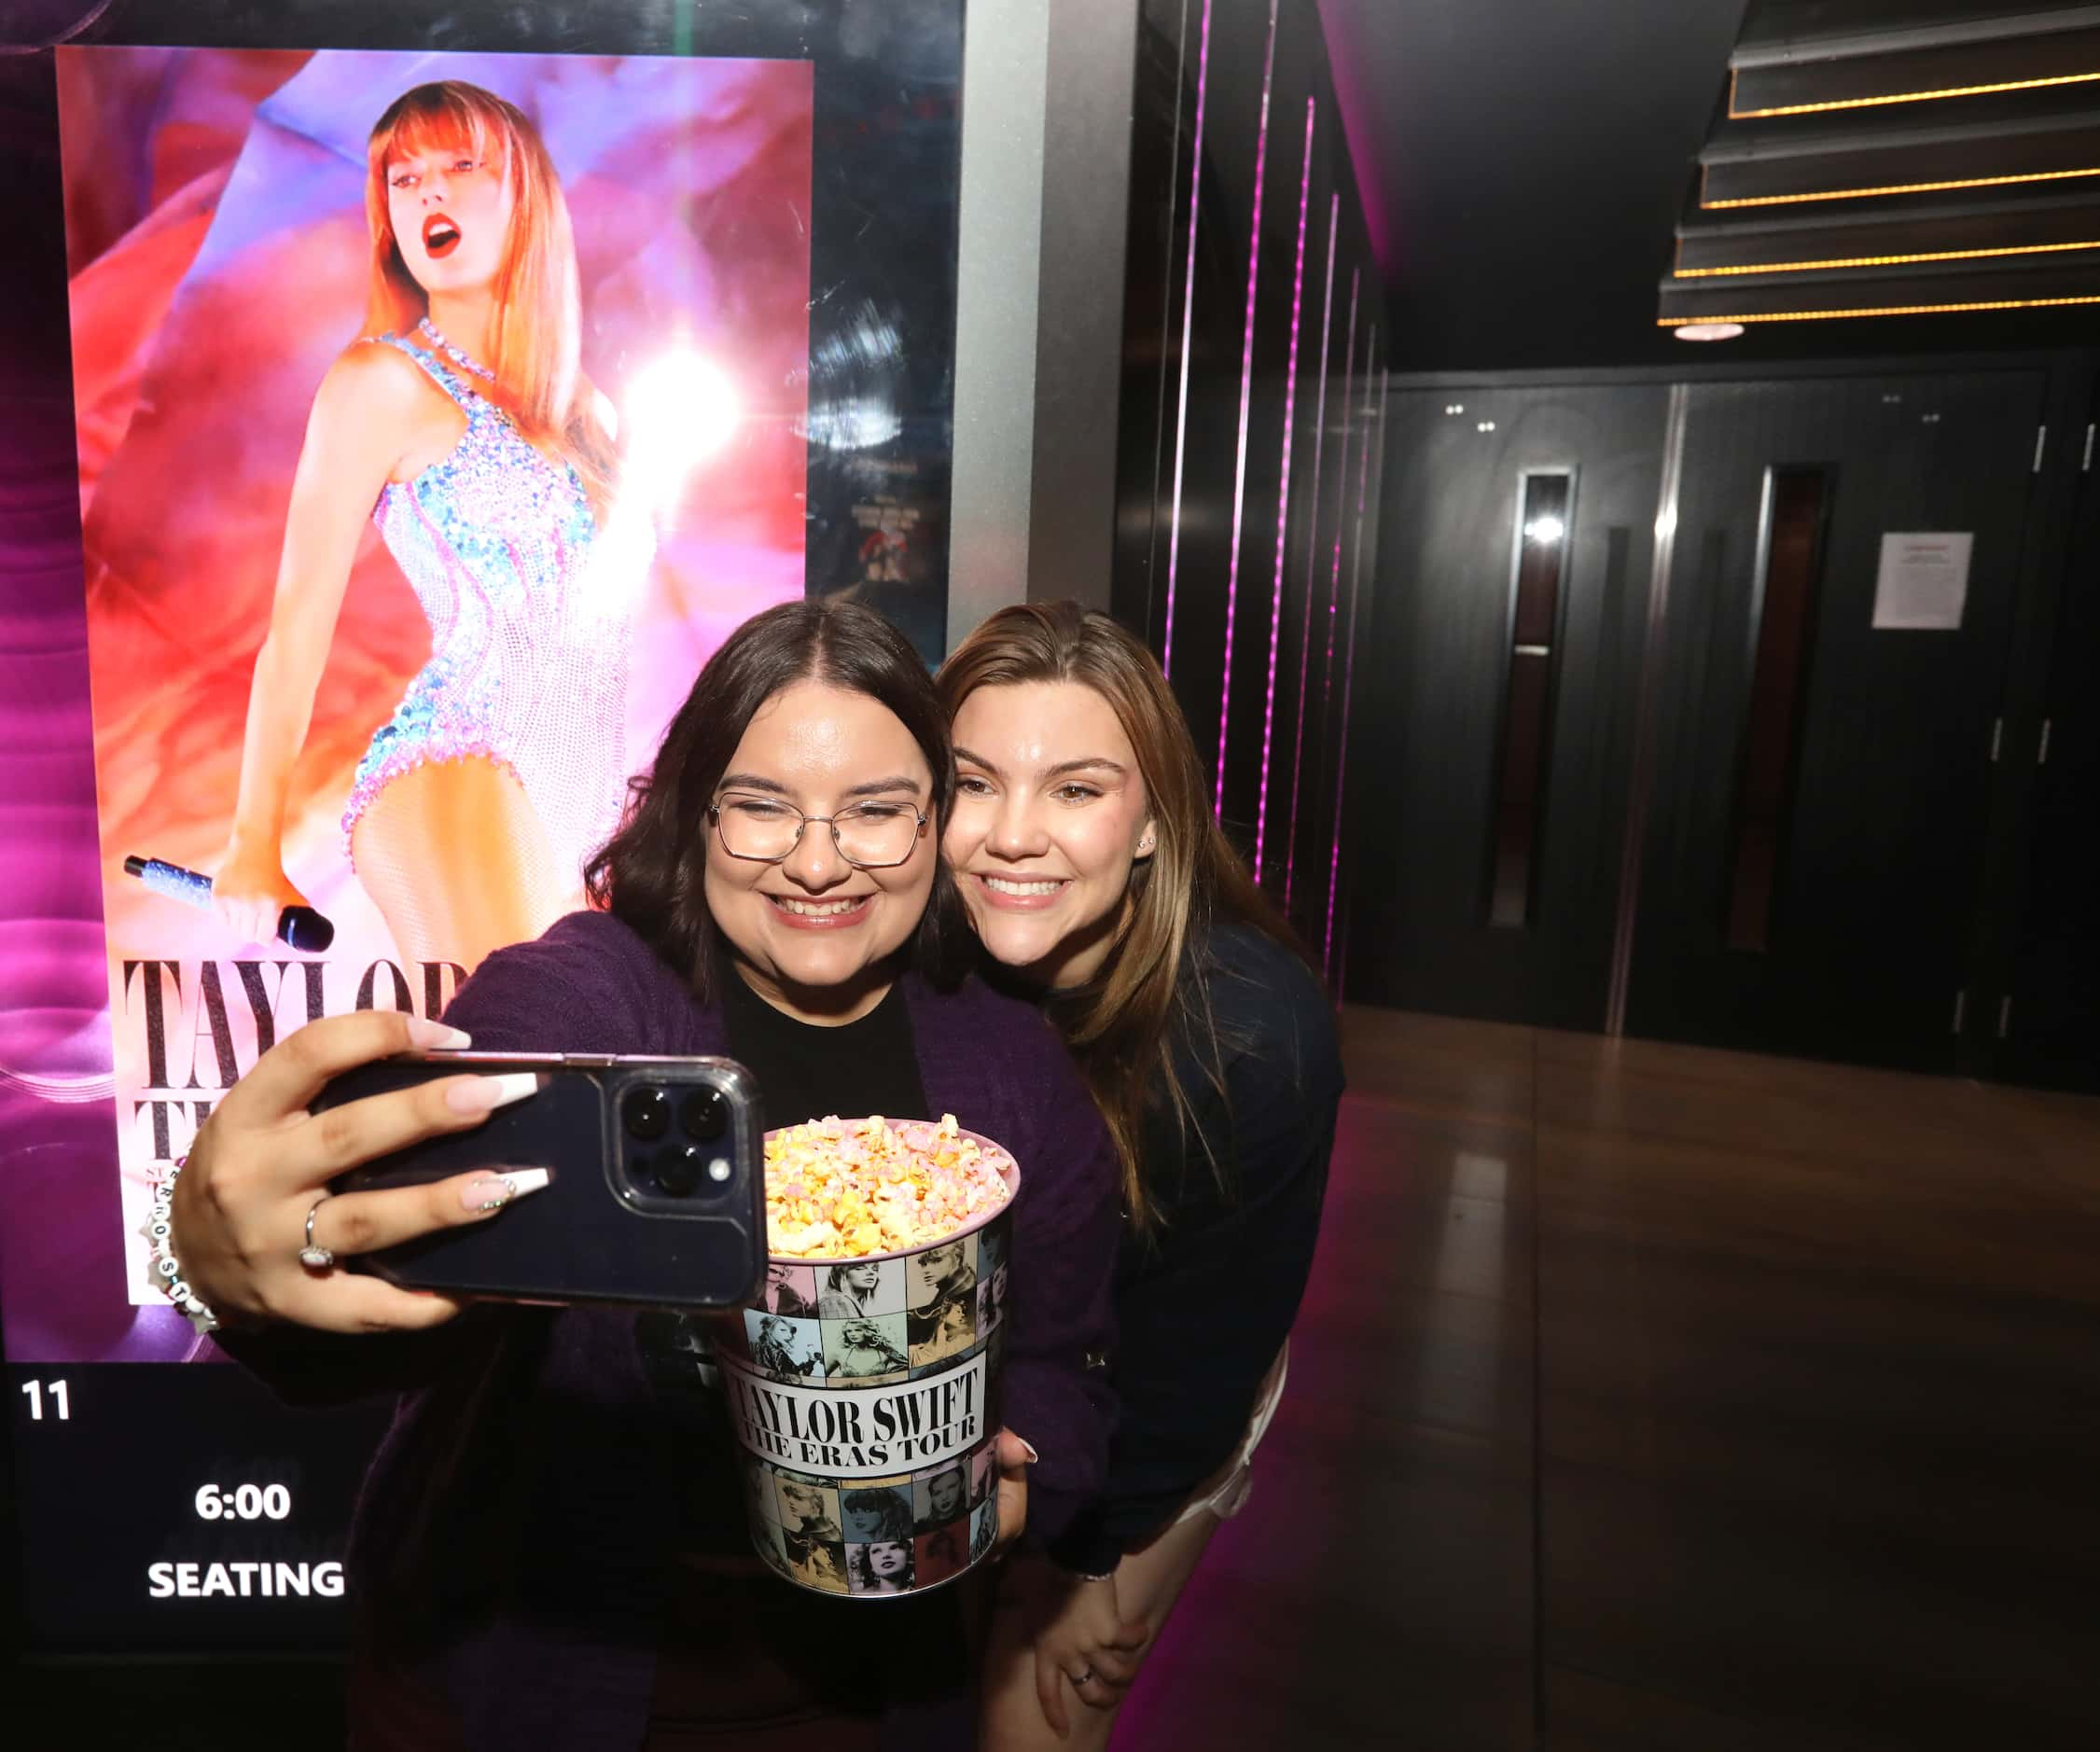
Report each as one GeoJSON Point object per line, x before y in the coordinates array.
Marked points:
{"type": "Point", "coordinates": [651, 1169]}
{"type": "Point", "coordinates": [259, 1175]}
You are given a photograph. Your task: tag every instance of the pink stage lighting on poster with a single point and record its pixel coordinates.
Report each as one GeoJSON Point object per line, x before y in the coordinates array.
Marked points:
{"type": "Point", "coordinates": [416, 486]}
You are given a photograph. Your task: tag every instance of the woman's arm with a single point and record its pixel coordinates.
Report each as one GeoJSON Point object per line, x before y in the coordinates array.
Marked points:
{"type": "Point", "coordinates": [1204, 1317]}
{"type": "Point", "coordinates": [263, 1161]}
{"type": "Point", "coordinates": [368, 409]}
{"type": "Point", "coordinates": [503, 1008]}
{"type": "Point", "coordinates": [1060, 1304]}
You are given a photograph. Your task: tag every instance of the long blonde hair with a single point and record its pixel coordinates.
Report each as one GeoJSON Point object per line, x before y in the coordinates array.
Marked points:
{"type": "Point", "coordinates": [1154, 986]}
{"type": "Point", "coordinates": [536, 339]}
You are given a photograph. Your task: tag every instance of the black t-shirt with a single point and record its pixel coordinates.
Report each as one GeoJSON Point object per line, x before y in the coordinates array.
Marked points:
{"type": "Point", "coordinates": [806, 1072]}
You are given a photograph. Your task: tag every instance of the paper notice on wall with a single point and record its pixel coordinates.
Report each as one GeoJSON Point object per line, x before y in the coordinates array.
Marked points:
{"type": "Point", "coordinates": [1924, 581]}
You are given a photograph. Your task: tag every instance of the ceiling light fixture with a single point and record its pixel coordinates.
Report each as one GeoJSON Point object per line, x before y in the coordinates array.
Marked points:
{"type": "Point", "coordinates": [1899, 188]}
{"type": "Point", "coordinates": [1709, 331]}
{"type": "Point", "coordinates": [1881, 261]}
{"type": "Point", "coordinates": [1885, 309]}
{"type": "Point", "coordinates": [1905, 97]}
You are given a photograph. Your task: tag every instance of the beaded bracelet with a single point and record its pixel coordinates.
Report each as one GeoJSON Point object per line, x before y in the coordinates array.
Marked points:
{"type": "Point", "coordinates": [167, 1274]}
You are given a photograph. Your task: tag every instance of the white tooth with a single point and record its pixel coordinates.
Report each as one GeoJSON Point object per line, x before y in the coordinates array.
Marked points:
{"type": "Point", "coordinates": [1003, 886]}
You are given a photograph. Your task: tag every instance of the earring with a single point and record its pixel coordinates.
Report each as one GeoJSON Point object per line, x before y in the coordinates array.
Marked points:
{"type": "Point", "coordinates": [1145, 844]}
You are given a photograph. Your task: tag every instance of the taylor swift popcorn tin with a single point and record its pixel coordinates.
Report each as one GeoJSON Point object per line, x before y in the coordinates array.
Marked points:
{"type": "Point", "coordinates": [865, 1391]}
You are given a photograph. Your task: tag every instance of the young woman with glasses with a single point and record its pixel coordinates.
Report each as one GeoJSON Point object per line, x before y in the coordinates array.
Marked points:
{"type": "Point", "coordinates": [551, 1546]}
{"type": "Point", "coordinates": [1099, 882]}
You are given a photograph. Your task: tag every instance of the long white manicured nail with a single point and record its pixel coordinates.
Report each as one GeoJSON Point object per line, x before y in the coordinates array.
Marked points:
{"type": "Point", "coordinates": [484, 1094]}
{"type": "Point", "coordinates": [425, 1032]}
{"type": "Point", "coordinates": [491, 1192]}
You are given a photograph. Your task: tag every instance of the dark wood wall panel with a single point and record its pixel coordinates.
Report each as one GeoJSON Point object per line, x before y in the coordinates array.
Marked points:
{"type": "Point", "coordinates": [1196, 521]}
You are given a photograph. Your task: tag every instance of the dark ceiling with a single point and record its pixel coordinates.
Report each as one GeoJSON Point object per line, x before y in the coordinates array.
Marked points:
{"type": "Point", "coordinates": [1525, 164]}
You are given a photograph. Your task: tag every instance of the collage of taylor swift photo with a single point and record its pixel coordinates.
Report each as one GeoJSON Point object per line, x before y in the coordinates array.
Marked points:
{"type": "Point", "coordinates": [854, 1323]}
{"type": "Point", "coordinates": [877, 1322]}
{"type": "Point", "coordinates": [889, 1536]}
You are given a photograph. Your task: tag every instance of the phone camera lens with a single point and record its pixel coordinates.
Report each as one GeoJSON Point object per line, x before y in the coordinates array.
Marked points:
{"type": "Point", "coordinates": [680, 1168]}
{"type": "Point", "coordinates": [704, 1114]}
{"type": "Point", "coordinates": [647, 1112]}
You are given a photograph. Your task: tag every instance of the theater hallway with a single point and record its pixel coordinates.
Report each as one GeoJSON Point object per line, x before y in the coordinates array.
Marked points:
{"type": "Point", "coordinates": [1648, 1396]}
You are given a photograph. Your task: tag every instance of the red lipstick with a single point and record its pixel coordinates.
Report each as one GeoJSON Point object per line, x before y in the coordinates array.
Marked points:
{"type": "Point", "coordinates": [440, 236]}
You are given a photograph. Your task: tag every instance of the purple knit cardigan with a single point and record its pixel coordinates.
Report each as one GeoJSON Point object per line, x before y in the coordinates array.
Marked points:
{"type": "Point", "coordinates": [530, 1593]}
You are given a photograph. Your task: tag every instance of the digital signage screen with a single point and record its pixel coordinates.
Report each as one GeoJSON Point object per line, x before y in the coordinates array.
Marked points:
{"type": "Point", "coordinates": [334, 637]}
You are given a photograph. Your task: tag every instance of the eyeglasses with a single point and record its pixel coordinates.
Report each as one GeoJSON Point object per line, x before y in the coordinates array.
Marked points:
{"type": "Point", "coordinates": [874, 835]}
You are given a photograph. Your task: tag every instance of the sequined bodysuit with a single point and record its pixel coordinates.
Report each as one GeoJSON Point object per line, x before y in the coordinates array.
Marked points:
{"type": "Point", "coordinates": [529, 611]}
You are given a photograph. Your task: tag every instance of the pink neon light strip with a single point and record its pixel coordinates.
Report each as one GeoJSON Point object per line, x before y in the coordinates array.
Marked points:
{"type": "Point", "coordinates": [1187, 321]}
{"type": "Point", "coordinates": [1247, 404]}
{"type": "Point", "coordinates": [1283, 496]}
{"type": "Point", "coordinates": [1341, 504]}
{"type": "Point", "coordinates": [1312, 547]}
{"type": "Point", "coordinates": [1349, 667]}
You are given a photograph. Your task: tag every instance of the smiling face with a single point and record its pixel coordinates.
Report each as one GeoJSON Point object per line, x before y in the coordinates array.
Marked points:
{"type": "Point", "coordinates": [1050, 813]}
{"type": "Point", "coordinates": [451, 209]}
{"type": "Point", "coordinates": [812, 934]}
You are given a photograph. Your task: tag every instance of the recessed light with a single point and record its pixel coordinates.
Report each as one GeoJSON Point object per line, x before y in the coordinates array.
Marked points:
{"type": "Point", "coordinates": [1709, 331]}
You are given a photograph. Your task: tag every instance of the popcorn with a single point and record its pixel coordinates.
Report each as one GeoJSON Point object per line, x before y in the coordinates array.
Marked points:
{"type": "Point", "coordinates": [843, 1189]}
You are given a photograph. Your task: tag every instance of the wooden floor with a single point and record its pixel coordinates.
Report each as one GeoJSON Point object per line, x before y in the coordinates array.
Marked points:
{"type": "Point", "coordinates": [1645, 1399]}
{"type": "Point", "coordinates": [1650, 1398]}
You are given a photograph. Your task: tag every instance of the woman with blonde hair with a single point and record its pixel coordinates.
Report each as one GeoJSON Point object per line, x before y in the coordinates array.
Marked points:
{"type": "Point", "coordinates": [1099, 882]}
{"type": "Point", "coordinates": [460, 421]}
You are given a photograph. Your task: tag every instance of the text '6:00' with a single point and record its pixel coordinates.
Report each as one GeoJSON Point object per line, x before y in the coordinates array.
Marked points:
{"type": "Point", "coordinates": [244, 1502]}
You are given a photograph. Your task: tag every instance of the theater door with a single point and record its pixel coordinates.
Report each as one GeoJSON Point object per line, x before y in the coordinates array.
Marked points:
{"type": "Point", "coordinates": [1494, 733]}
{"type": "Point", "coordinates": [1840, 600]}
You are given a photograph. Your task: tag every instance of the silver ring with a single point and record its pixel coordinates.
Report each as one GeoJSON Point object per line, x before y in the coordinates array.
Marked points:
{"type": "Point", "coordinates": [1080, 1678]}
{"type": "Point", "coordinates": [313, 1254]}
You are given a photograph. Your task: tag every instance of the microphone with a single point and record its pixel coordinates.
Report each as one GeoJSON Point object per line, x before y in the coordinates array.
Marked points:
{"type": "Point", "coordinates": [300, 928]}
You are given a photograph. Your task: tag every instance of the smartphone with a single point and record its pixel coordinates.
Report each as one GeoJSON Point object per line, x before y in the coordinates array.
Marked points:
{"type": "Point", "coordinates": [656, 1193]}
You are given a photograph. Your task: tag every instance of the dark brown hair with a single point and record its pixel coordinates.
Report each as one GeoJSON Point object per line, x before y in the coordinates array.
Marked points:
{"type": "Point", "coordinates": [651, 873]}
{"type": "Point", "coordinates": [1122, 1026]}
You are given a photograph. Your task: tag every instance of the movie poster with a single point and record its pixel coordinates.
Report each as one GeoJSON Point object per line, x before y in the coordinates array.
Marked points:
{"type": "Point", "coordinates": [438, 416]}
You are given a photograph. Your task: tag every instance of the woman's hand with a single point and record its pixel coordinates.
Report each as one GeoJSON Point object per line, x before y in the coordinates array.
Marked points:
{"type": "Point", "coordinates": [250, 890]}
{"type": "Point", "coordinates": [1013, 1457]}
{"type": "Point", "coordinates": [262, 1161]}
{"type": "Point", "coordinates": [1081, 1640]}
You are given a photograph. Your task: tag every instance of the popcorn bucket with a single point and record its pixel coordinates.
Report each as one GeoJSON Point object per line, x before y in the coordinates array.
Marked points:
{"type": "Point", "coordinates": [865, 1396]}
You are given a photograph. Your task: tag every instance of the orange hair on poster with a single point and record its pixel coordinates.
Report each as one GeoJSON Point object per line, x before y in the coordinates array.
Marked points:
{"type": "Point", "coordinates": [536, 339]}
